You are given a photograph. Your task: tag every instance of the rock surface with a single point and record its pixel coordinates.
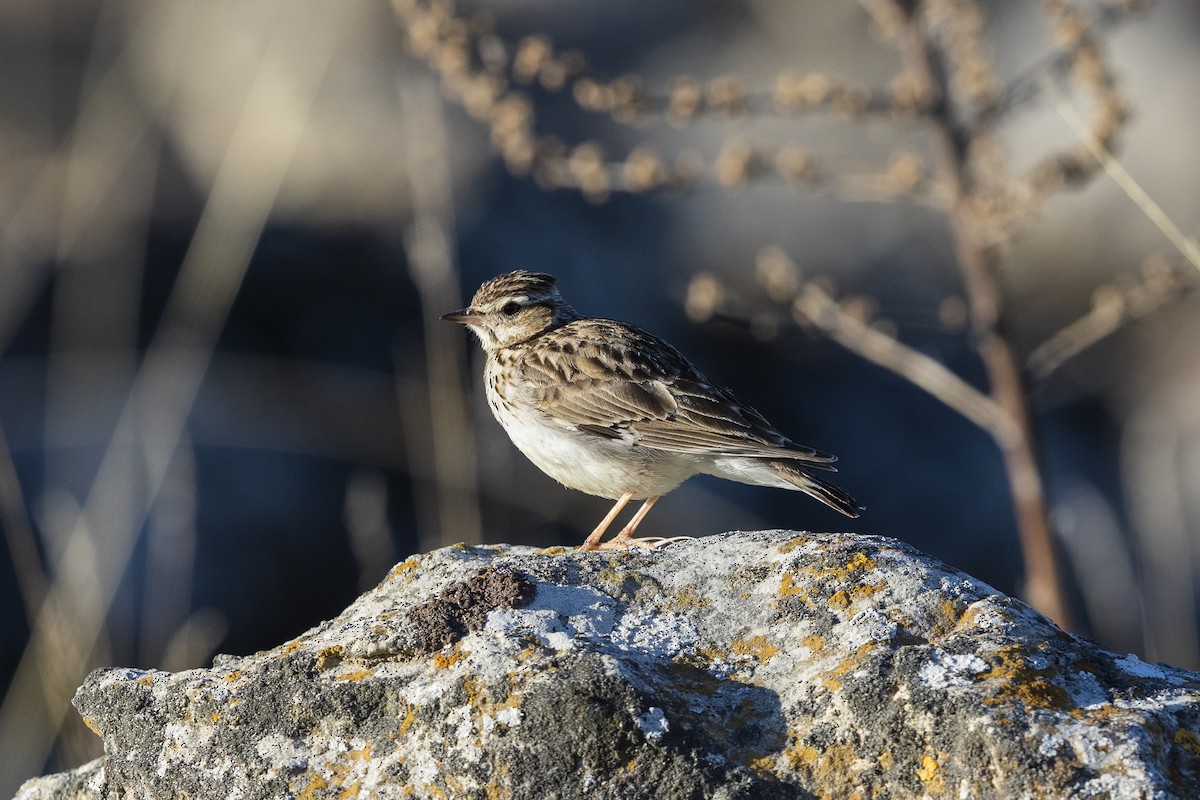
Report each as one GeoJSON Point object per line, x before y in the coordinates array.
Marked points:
{"type": "Point", "coordinates": [746, 665]}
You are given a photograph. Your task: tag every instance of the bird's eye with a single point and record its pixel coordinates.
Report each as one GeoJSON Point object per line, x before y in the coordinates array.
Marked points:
{"type": "Point", "coordinates": [510, 308]}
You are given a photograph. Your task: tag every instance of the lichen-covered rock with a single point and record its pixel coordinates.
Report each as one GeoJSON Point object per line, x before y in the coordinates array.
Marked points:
{"type": "Point", "coordinates": [755, 665]}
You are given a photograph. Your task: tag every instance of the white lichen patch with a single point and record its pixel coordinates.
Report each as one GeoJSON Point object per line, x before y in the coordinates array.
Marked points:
{"type": "Point", "coordinates": [1132, 665]}
{"type": "Point", "coordinates": [944, 670]}
{"type": "Point", "coordinates": [509, 717]}
{"type": "Point", "coordinates": [558, 617]}
{"type": "Point", "coordinates": [987, 616]}
{"type": "Point", "coordinates": [282, 753]}
{"type": "Point", "coordinates": [1114, 754]}
{"type": "Point", "coordinates": [959, 586]}
{"type": "Point", "coordinates": [182, 743]}
{"type": "Point", "coordinates": [564, 618]}
{"type": "Point", "coordinates": [427, 690]}
{"type": "Point", "coordinates": [1086, 690]}
{"type": "Point", "coordinates": [1051, 745]}
{"type": "Point", "coordinates": [461, 723]}
{"type": "Point", "coordinates": [655, 636]}
{"type": "Point", "coordinates": [1169, 701]}
{"type": "Point", "coordinates": [653, 723]}
{"type": "Point", "coordinates": [506, 717]}
{"type": "Point", "coordinates": [868, 626]}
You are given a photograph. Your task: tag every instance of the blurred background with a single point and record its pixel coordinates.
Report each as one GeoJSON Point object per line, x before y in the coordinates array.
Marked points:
{"type": "Point", "coordinates": [228, 228]}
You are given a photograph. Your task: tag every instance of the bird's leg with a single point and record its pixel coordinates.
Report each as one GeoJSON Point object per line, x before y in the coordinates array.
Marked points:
{"type": "Point", "coordinates": [592, 542]}
{"type": "Point", "coordinates": [623, 539]}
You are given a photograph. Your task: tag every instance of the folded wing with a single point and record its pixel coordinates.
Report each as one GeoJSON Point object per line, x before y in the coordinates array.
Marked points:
{"type": "Point", "coordinates": [634, 387]}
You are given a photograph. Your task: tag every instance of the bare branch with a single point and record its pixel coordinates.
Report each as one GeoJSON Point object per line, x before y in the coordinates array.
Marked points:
{"type": "Point", "coordinates": [815, 306]}
{"type": "Point", "coordinates": [954, 64]}
{"type": "Point", "coordinates": [1112, 308]}
{"type": "Point", "coordinates": [1027, 86]}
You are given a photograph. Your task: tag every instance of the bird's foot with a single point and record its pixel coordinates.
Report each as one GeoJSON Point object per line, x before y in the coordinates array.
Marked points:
{"type": "Point", "coordinates": [645, 542]}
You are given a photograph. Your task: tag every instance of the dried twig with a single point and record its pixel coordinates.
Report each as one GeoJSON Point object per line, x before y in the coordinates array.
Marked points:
{"type": "Point", "coordinates": [941, 66]}
{"type": "Point", "coordinates": [815, 306]}
{"type": "Point", "coordinates": [1112, 308]}
{"type": "Point", "coordinates": [1184, 244]}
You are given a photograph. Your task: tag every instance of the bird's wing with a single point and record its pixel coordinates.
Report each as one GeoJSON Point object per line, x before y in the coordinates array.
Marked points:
{"type": "Point", "coordinates": [620, 382]}
{"type": "Point", "coordinates": [711, 421]}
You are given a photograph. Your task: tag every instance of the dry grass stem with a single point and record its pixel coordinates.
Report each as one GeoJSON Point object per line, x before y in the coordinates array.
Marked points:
{"type": "Point", "coordinates": [98, 547]}
{"type": "Point", "coordinates": [1184, 244]}
{"type": "Point", "coordinates": [32, 582]}
{"type": "Point", "coordinates": [431, 264]}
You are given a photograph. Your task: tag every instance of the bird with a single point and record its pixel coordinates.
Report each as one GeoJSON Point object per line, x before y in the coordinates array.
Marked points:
{"type": "Point", "coordinates": [612, 410]}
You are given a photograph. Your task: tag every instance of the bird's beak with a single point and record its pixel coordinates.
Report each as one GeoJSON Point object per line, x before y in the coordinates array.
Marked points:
{"type": "Point", "coordinates": [464, 316]}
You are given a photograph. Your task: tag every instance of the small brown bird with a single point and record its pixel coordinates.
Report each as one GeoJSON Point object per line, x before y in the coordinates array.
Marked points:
{"type": "Point", "coordinates": [611, 410]}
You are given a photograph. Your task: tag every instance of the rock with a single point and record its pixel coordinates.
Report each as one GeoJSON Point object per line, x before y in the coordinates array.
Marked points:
{"type": "Point", "coordinates": [745, 665]}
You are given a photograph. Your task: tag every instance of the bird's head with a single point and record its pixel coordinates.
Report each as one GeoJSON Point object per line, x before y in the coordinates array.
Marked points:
{"type": "Point", "coordinates": [514, 307]}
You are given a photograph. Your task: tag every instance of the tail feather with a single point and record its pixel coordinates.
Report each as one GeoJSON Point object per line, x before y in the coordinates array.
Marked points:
{"type": "Point", "coordinates": [813, 486]}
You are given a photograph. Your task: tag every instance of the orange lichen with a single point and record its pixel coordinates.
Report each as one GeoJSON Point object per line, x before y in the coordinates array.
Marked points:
{"type": "Point", "coordinates": [837, 766]}
{"type": "Point", "coordinates": [443, 661]}
{"type": "Point", "coordinates": [762, 764]}
{"type": "Point", "coordinates": [788, 547]}
{"type": "Point", "coordinates": [1019, 682]}
{"type": "Point", "coordinates": [858, 563]}
{"type": "Point", "coordinates": [145, 680]}
{"type": "Point", "coordinates": [709, 654]}
{"type": "Point", "coordinates": [404, 567]}
{"type": "Point", "coordinates": [690, 597]}
{"type": "Point", "coordinates": [1105, 714]}
{"type": "Point", "coordinates": [92, 726]}
{"type": "Point", "coordinates": [951, 615]}
{"type": "Point", "coordinates": [330, 656]}
{"type": "Point", "coordinates": [233, 676]}
{"type": "Point", "coordinates": [339, 773]}
{"type": "Point", "coordinates": [787, 588]}
{"type": "Point", "coordinates": [497, 788]}
{"type": "Point", "coordinates": [813, 642]}
{"type": "Point", "coordinates": [313, 789]}
{"type": "Point", "coordinates": [357, 675]}
{"type": "Point", "coordinates": [848, 572]}
{"type": "Point", "coordinates": [409, 718]}
{"type": "Point", "coordinates": [930, 772]}
{"type": "Point", "coordinates": [756, 646]}
{"type": "Point", "coordinates": [833, 680]}
{"type": "Point", "coordinates": [801, 754]}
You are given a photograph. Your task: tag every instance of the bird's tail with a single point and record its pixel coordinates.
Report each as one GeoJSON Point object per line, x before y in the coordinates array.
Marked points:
{"type": "Point", "coordinates": [813, 486]}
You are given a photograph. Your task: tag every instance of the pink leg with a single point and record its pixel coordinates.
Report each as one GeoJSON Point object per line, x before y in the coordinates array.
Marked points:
{"type": "Point", "coordinates": [592, 542]}
{"type": "Point", "coordinates": [622, 539]}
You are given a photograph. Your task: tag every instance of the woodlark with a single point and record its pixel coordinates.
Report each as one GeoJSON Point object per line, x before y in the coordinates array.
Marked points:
{"type": "Point", "coordinates": [611, 410]}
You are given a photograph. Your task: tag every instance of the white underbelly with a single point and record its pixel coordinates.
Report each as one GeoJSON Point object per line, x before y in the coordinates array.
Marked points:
{"type": "Point", "coordinates": [593, 464]}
